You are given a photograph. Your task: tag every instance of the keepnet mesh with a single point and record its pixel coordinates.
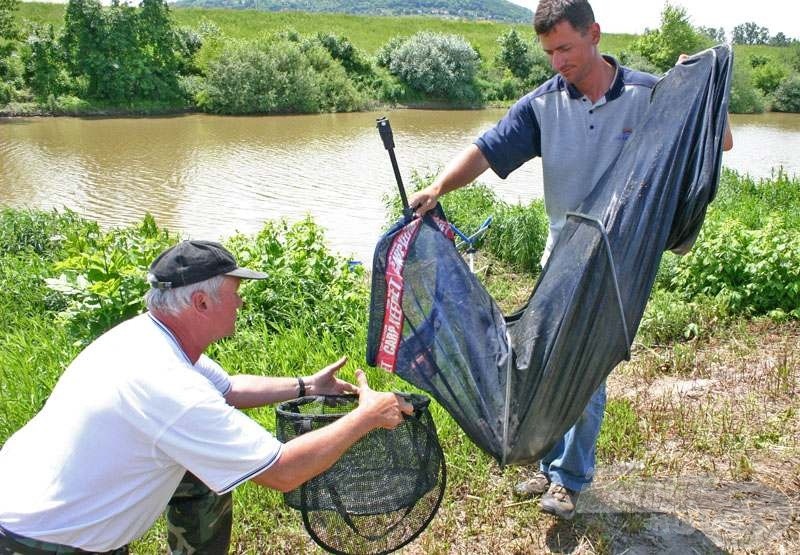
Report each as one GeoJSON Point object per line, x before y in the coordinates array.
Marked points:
{"type": "Point", "coordinates": [384, 490]}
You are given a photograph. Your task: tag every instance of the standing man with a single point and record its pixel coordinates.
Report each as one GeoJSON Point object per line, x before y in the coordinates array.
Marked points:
{"type": "Point", "coordinates": [142, 420]}
{"type": "Point", "coordinates": [577, 122]}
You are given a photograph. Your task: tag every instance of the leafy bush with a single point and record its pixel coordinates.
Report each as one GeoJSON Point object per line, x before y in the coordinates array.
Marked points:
{"type": "Point", "coordinates": [6, 93]}
{"type": "Point", "coordinates": [507, 88]}
{"type": "Point", "coordinates": [102, 275]}
{"type": "Point", "coordinates": [636, 61]}
{"type": "Point", "coordinates": [754, 271]}
{"type": "Point", "coordinates": [337, 92]}
{"type": "Point", "coordinates": [437, 64]}
{"type": "Point", "coordinates": [8, 25]}
{"type": "Point", "coordinates": [669, 316]}
{"type": "Point", "coordinates": [276, 76]}
{"type": "Point", "coordinates": [37, 232]}
{"type": "Point", "coordinates": [787, 96]}
{"type": "Point", "coordinates": [343, 51]}
{"type": "Point", "coordinates": [385, 54]}
{"type": "Point", "coordinates": [767, 77]}
{"type": "Point", "coordinates": [540, 70]}
{"type": "Point", "coordinates": [29, 243]}
{"type": "Point", "coordinates": [66, 104]}
{"type": "Point", "coordinates": [307, 288]}
{"type": "Point", "coordinates": [12, 70]}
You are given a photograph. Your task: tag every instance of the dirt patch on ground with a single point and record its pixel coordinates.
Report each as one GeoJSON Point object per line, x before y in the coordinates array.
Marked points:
{"type": "Point", "coordinates": [718, 469]}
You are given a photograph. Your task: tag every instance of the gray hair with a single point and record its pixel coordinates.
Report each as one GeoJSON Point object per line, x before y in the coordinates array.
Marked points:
{"type": "Point", "coordinates": [174, 301]}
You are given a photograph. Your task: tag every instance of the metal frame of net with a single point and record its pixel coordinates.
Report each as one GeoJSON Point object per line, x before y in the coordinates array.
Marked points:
{"type": "Point", "coordinates": [382, 493]}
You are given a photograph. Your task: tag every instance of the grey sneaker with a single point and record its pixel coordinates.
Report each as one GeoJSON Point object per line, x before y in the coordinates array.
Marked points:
{"type": "Point", "coordinates": [559, 501]}
{"type": "Point", "coordinates": [536, 485]}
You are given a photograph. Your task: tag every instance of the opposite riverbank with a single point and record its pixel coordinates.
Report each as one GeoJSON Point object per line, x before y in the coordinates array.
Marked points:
{"type": "Point", "coordinates": [159, 61]}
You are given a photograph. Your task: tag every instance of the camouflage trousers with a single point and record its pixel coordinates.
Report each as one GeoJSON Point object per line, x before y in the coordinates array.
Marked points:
{"type": "Point", "coordinates": [198, 523]}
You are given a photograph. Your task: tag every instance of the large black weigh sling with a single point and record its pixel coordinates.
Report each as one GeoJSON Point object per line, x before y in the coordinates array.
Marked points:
{"type": "Point", "coordinates": [516, 384]}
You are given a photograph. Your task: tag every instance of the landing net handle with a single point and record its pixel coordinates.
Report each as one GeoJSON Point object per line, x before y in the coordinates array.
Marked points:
{"type": "Point", "coordinates": [385, 130]}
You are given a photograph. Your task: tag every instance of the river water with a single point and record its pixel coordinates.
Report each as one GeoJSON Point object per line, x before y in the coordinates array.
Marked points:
{"type": "Point", "coordinates": [209, 176]}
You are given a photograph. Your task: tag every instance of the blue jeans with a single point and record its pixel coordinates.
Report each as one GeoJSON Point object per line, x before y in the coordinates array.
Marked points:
{"type": "Point", "coordinates": [571, 461]}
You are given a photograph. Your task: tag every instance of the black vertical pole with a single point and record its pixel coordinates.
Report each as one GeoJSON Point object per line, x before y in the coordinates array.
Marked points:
{"type": "Point", "coordinates": [388, 143]}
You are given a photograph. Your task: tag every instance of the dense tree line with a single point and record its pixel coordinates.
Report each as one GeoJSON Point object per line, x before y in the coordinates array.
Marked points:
{"type": "Point", "coordinates": [752, 33]}
{"type": "Point", "coordinates": [758, 83]}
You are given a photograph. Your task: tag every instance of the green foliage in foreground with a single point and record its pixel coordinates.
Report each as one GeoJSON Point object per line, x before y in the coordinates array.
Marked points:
{"type": "Point", "coordinates": [311, 311]}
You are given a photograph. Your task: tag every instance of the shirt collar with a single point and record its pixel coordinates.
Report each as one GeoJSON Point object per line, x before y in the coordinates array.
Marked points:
{"type": "Point", "coordinates": [617, 85]}
{"type": "Point", "coordinates": [163, 327]}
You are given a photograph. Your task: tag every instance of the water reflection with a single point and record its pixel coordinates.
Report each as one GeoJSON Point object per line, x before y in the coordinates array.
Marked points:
{"type": "Point", "coordinates": [209, 176]}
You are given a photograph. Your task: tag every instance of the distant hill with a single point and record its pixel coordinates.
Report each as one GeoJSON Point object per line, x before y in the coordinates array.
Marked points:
{"type": "Point", "coordinates": [492, 10]}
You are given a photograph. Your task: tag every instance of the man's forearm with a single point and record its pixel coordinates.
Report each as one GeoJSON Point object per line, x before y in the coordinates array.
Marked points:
{"type": "Point", "coordinates": [248, 391]}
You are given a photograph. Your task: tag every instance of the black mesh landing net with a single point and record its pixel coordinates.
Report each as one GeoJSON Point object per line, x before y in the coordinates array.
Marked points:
{"type": "Point", "coordinates": [516, 385]}
{"type": "Point", "coordinates": [384, 490]}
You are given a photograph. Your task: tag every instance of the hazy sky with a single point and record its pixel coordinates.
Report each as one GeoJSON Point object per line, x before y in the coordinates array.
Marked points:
{"type": "Point", "coordinates": [632, 16]}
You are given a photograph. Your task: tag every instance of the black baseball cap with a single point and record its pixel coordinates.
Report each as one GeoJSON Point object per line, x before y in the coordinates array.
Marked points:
{"type": "Point", "coordinates": [194, 261]}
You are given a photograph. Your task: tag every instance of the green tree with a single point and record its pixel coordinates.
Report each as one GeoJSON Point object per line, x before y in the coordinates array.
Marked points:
{"type": "Point", "coordinates": [676, 36]}
{"type": "Point", "coordinates": [779, 40]}
{"type": "Point", "coordinates": [44, 63]}
{"type": "Point", "coordinates": [716, 35]}
{"type": "Point", "coordinates": [750, 33]}
{"type": "Point", "coordinates": [160, 46]}
{"type": "Point", "coordinates": [8, 28]}
{"type": "Point", "coordinates": [84, 41]}
{"type": "Point", "coordinates": [123, 53]}
{"type": "Point", "coordinates": [514, 54]}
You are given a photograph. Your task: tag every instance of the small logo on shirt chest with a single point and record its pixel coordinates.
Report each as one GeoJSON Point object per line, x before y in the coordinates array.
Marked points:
{"type": "Point", "coordinates": [626, 132]}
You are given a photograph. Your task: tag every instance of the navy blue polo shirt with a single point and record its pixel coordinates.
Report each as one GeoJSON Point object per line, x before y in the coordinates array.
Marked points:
{"type": "Point", "coordinates": [577, 140]}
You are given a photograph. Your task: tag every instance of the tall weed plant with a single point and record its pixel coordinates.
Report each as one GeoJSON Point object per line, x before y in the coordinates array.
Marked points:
{"type": "Point", "coordinates": [102, 275]}
{"type": "Point", "coordinates": [308, 287]}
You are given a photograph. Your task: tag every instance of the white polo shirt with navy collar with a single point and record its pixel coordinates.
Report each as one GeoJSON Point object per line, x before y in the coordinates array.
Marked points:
{"type": "Point", "coordinates": [129, 416]}
{"type": "Point", "coordinates": [577, 140]}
